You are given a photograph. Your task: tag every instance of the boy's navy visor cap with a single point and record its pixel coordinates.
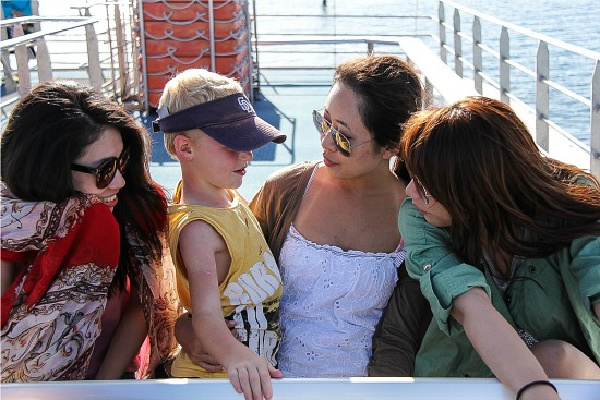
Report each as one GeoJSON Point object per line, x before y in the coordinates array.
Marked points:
{"type": "Point", "coordinates": [231, 121]}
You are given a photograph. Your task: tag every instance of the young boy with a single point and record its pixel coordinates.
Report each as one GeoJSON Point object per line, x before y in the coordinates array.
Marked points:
{"type": "Point", "coordinates": [224, 265]}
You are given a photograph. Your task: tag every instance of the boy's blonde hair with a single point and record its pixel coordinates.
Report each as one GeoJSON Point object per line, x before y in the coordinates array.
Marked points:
{"type": "Point", "coordinates": [191, 88]}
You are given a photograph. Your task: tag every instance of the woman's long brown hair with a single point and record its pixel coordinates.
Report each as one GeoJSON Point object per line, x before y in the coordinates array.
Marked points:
{"type": "Point", "coordinates": [478, 160]}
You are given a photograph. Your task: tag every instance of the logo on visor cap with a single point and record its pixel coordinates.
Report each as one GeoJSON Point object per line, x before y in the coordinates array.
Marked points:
{"type": "Point", "coordinates": [245, 104]}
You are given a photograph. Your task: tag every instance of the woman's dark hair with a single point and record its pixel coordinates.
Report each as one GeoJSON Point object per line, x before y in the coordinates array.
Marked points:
{"type": "Point", "coordinates": [389, 92]}
{"type": "Point", "coordinates": [478, 160]}
{"type": "Point", "coordinates": [50, 128]}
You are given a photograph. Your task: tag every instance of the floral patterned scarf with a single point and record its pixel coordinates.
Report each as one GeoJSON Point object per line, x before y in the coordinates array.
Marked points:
{"type": "Point", "coordinates": [51, 314]}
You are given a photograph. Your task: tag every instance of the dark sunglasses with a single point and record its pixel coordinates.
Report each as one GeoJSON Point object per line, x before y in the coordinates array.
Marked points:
{"type": "Point", "coordinates": [106, 171]}
{"type": "Point", "coordinates": [423, 193]}
{"type": "Point", "coordinates": [342, 143]}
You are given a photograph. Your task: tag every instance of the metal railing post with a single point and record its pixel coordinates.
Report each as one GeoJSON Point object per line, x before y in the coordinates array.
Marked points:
{"type": "Point", "coordinates": [247, 20]}
{"type": "Point", "coordinates": [504, 66]}
{"type": "Point", "coordinates": [143, 54]}
{"type": "Point", "coordinates": [135, 53]}
{"type": "Point", "coordinates": [595, 122]}
{"type": "Point", "coordinates": [211, 32]}
{"type": "Point", "coordinates": [22, 63]}
{"type": "Point", "coordinates": [477, 57]}
{"type": "Point", "coordinates": [44, 67]}
{"type": "Point", "coordinates": [93, 55]}
{"type": "Point", "coordinates": [256, 53]}
{"type": "Point", "coordinates": [542, 102]}
{"type": "Point", "coordinates": [9, 83]}
{"type": "Point", "coordinates": [113, 75]}
{"type": "Point", "coordinates": [458, 64]}
{"type": "Point", "coordinates": [121, 53]}
{"type": "Point", "coordinates": [442, 18]}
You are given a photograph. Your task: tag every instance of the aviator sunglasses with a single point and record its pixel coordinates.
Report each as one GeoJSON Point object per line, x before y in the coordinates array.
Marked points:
{"type": "Point", "coordinates": [342, 143]}
{"type": "Point", "coordinates": [107, 170]}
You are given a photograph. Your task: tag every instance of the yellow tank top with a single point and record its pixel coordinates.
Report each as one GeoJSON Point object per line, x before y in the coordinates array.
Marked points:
{"type": "Point", "coordinates": [250, 292]}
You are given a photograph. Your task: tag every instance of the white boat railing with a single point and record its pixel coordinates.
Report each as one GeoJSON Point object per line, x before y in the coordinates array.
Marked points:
{"type": "Point", "coordinates": [19, 44]}
{"type": "Point", "coordinates": [492, 70]}
{"type": "Point", "coordinates": [291, 389]}
{"type": "Point", "coordinates": [97, 49]}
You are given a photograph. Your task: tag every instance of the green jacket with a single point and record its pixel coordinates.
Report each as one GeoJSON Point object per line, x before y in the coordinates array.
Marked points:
{"type": "Point", "coordinates": [552, 302]}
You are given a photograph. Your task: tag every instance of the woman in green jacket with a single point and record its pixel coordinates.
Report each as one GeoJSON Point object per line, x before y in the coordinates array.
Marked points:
{"type": "Point", "coordinates": [506, 245]}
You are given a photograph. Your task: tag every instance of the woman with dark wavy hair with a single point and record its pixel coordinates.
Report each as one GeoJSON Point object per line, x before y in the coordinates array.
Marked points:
{"type": "Point", "coordinates": [83, 228]}
{"type": "Point", "coordinates": [506, 244]}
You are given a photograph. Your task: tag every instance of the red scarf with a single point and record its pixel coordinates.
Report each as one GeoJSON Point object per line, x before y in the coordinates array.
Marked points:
{"type": "Point", "coordinates": [93, 239]}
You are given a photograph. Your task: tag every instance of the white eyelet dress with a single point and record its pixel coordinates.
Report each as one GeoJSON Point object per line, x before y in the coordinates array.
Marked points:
{"type": "Point", "coordinates": [332, 301]}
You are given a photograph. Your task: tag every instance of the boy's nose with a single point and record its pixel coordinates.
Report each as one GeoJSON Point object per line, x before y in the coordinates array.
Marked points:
{"type": "Point", "coordinates": [246, 155]}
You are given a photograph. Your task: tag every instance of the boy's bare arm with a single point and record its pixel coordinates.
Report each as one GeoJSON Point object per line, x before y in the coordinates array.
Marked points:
{"type": "Point", "coordinates": [184, 332]}
{"type": "Point", "coordinates": [200, 247]}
